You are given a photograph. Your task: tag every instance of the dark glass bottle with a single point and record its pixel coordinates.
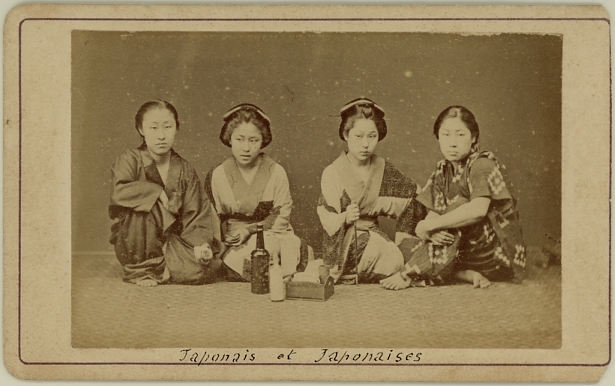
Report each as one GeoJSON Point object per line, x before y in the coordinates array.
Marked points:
{"type": "Point", "coordinates": [260, 264]}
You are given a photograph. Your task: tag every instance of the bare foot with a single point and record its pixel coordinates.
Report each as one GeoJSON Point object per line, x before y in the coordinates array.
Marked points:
{"type": "Point", "coordinates": [395, 282]}
{"type": "Point", "coordinates": [477, 280]}
{"type": "Point", "coordinates": [147, 283]}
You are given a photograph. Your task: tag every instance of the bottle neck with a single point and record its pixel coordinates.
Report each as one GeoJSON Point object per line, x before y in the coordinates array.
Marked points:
{"type": "Point", "coordinates": [260, 238]}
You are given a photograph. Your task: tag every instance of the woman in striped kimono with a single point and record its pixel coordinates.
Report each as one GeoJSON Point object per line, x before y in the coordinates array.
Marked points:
{"type": "Point", "coordinates": [250, 188]}
{"type": "Point", "coordinates": [358, 187]}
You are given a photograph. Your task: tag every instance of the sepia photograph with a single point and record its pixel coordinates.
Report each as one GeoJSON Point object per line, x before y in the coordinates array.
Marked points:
{"type": "Point", "coordinates": [183, 144]}
{"type": "Point", "coordinates": [307, 193]}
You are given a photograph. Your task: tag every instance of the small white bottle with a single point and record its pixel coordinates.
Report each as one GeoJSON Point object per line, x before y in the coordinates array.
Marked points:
{"type": "Point", "coordinates": [277, 287]}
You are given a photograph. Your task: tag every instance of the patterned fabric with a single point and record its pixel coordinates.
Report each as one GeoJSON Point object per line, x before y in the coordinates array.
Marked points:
{"type": "Point", "coordinates": [426, 261]}
{"type": "Point", "coordinates": [263, 210]}
{"type": "Point", "coordinates": [386, 192]}
{"type": "Point", "coordinates": [493, 246]}
{"type": "Point", "coordinates": [351, 264]}
{"type": "Point", "coordinates": [398, 185]}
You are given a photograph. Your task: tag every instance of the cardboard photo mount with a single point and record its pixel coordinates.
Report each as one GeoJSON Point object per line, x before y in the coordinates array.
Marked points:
{"type": "Point", "coordinates": [37, 183]}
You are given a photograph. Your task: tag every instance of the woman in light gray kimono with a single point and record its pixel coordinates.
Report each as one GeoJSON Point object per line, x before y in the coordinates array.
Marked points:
{"type": "Point", "coordinates": [358, 187]}
{"type": "Point", "coordinates": [250, 188]}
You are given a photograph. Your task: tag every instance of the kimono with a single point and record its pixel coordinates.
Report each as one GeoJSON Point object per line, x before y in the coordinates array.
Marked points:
{"type": "Point", "coordinates": [152, 241]}
{"type": "Point", "coordinates": [429, 263]}
{"type": "Point", "coordinates": [363, 248]}
{"type": "Point", "coordinates": [493, 246]}
{"type": "Point", "coordinates": [267, 201]}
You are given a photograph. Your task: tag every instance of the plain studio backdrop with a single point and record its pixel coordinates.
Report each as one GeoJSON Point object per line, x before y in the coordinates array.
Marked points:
{"type": "Point", "coordinates": [511, 82]}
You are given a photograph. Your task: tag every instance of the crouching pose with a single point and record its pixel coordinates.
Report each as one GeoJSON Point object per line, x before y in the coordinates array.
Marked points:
{"type": "Point", "coordinates": [358, 187]}
{"type": "Point", "coordinates": [164, 225]}
{"type": "Point", "coordinates": [472, 217]}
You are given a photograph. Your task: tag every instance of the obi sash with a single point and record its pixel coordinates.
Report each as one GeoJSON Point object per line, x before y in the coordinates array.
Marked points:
{"type": "Point", "coordinates": [246, 198]}
{"type": "Point", "coordinates": [364, 194]}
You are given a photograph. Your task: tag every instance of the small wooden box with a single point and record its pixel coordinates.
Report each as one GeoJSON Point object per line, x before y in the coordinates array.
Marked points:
{"type": "Point", "coordinates": [304, 290]}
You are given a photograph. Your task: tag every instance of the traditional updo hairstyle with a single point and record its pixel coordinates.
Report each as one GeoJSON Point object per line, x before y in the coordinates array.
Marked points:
{"type": "Point", "coordinates": [246, 113]}
{"type": "Point", "coordinates": [155, 104]}
{"type": "Point", "coordinates": [362, 108]}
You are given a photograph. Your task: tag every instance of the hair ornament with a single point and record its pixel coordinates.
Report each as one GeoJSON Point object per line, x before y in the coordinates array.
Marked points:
{"type": "Point", "coordinates": [248, 105]}
{"type": "Point", "coordinates": [361, 101]}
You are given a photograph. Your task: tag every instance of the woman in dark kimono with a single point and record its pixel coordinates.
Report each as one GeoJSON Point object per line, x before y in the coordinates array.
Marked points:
{"type": "Point", "coordinates": [165, 224]}
{"type": "Point", "coordinates": [467, 195]}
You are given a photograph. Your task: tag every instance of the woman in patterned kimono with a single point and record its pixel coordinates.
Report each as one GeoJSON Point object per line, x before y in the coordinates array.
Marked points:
{"type": "Point", "coordinates": [358, 187]}
{"type": "Point", "coordinates": [165, 224]}
{"type": "Point", "coordinates": [469, 194]}
{"type": "Point", "coordinates": [250, 188]}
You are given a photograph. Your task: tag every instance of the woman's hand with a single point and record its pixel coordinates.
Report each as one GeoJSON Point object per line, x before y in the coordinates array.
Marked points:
{"type": "Point", "coordinates": [231, 238]}
{"type": "Point", "coordinates": [237, 238]}
{"type": "Point", "coordinates": [422, 230]}
{"type": "Point", "coordinates": [352, 213]}
{"type": "Point", "coordinates": [203, 253]}
{"type": "Point", "coordinates": [441, 238]}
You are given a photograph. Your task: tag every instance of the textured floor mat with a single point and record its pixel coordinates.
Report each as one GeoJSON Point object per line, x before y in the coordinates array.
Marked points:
{"type": "Point", "coordinates": [110, 313]}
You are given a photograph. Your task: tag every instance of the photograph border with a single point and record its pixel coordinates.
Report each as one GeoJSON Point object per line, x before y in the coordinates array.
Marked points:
{"type": "Point", "coordinates": [379, 19]}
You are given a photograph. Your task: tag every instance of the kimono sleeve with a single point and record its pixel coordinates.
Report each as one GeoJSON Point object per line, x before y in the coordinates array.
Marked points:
{"type": "Point", "coordinates": [196, 213]}
{"type": "Point", "coordinates": [426, 196]}
{"type": "Point", "coordinates": [486, 180]}
{"type": "Point", "coordinates": [400, 192]}
{"type": "Point", "coordinates": [279, 219]}
{"type": "Point", "coordinates": [128, 191]}
{"type": "Point", "coordinates": [329, 207]}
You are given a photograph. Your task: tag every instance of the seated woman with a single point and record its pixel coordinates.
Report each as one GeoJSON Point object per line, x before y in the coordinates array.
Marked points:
{"type": "Point", "coordinates": [358, 187]}
{"type": "Point", "coordinates": [165, 223]}
{"type": "Point", "coordinates": [469, 194]}
{"type": "Point", "coordinates": [249, 188]}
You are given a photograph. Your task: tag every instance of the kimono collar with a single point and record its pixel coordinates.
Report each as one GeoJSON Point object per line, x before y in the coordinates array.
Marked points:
{"type": "Point", "coordinates": [363, 193]}
{"type": "Point", "coordinates": [147, 157]}
{"type": "Point", "coordinates": [172, 186]}
{"type": "Point", "coordinates": [247, 196]}
{"type": "Point", "coordinates": [446, 164]}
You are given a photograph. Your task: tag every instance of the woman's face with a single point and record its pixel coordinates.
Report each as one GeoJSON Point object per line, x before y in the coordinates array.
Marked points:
{"type": "Point", "coordinates": [362, 139]}
{"type": "Point", "coordinates": [455, 139]}
{"type": "Point", "coordinates": [158, 129]}
{"type": "Point", "coordinates": [246, 142]}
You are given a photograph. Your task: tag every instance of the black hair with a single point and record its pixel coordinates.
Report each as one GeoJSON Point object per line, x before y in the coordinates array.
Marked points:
{"type": "Point", "coordinates": [463, 114]}
{"type": "Point", "coordinates": [246, 113]}
{"type": "Point", "coordinates": [155, 104]}
{"type": "Point", "coordinates": [363, 111]}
